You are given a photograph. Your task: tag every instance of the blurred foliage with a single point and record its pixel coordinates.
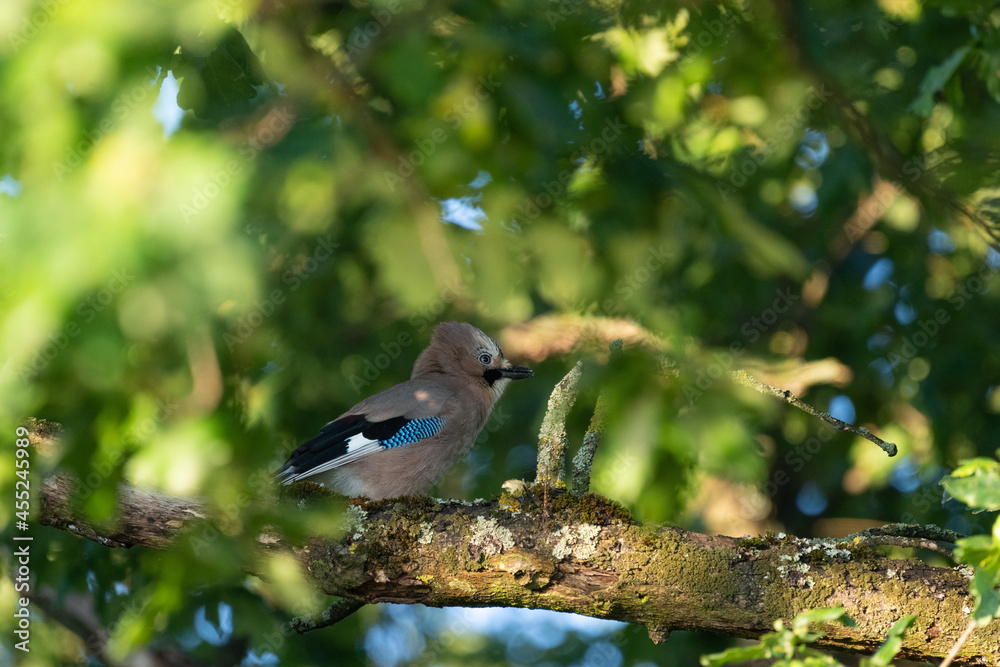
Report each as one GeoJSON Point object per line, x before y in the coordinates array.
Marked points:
{"type": "Point", "coordinates": [976, 482]}
{"type": "Point", "coordinates": [787, 647]}
{"type": "Point", "coordinates": [192, 290]}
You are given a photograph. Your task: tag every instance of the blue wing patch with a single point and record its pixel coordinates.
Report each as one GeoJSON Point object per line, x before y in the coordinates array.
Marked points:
{"type": "Point", "coordinates": [414, 430]}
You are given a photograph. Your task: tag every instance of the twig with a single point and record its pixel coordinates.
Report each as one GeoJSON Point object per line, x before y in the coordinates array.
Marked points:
{"type": "Point", "coordinates": [916, 530]}
{"type": "Point", "coordinates": [910, 536]}
{"type": "Point", "coordinates": [953, 653]}
{"type": "Point", "coordinates": [584, 459]}
{"type": "Point", "coordinates": [905, 542]}
{"type": "Point", "coordinates": [552, 435]}
{"type": "Point", "coordinates": [744, 378]}
{"type": "Point", "coordinates": [336, 612]}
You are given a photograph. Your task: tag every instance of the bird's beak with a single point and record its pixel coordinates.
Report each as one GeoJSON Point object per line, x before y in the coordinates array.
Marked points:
{"type": "Point", "coordinates": [516, 372]}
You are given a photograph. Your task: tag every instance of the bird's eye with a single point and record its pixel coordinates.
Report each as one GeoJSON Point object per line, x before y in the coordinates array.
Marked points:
{"type": "Point", "coordinates": [485, 359]}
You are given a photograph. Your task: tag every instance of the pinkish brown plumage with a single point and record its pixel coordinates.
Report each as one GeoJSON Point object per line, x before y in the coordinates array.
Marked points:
{"type": "Point", "coordinates": [403, 440]}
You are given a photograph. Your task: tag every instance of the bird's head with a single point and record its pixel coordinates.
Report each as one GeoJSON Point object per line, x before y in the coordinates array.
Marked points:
{"type": "Point", "coordinates": [463, 351]}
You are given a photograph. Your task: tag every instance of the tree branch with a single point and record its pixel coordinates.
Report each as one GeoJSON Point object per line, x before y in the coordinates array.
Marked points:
{"type": "Point", "coordinates": [588, 557]}
{"type": "Point", "coordinates": [332, 615]}
{"type": "Point", "coordinates": [147, 519]}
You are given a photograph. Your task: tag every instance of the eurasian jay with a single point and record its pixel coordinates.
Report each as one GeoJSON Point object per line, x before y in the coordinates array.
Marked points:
{"type": "Point", "coordinates": [403, 440]}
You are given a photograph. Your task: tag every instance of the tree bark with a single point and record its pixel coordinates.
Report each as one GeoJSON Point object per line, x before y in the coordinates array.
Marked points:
{"type": "Point", "coordinates": [588, 557]}
{"type": "Point", "coordinates": [145, 519]}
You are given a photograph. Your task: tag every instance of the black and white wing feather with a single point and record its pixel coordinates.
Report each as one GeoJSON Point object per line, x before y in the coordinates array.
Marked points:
{"type": "Point", "coordinates": [351, 437]}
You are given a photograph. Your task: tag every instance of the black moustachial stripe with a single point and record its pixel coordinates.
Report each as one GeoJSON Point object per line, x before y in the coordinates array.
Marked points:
{"type": "Point", "coordinates": [491, 375]}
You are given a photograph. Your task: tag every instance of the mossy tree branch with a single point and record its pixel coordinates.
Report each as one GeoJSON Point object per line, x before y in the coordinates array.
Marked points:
{"type": "Point", "coordinates": [588, 557]}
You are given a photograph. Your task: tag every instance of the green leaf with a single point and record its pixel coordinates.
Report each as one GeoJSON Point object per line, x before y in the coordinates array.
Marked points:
{"type": "Point", "coordinates": [976, 550]}
{"type": "Point", "coordinates": [786, 644]}
{"type": "Point", "coordinates": [890, 647]}
{"type": "Point", "coordinates": [227, 81]}
{"type": "Point", "coordinates": [989, 65]}
{"type": "Point", "coordinates": [733, 655]}
{"type": "Point", "coordinates": [975, 466]}
{"type": "Point", "coordinates": [983, 588]}
{"type": "Point", "coordinates": [976, 482]}
{"type": "Point", "coordinates": [935, 79]}
{"type": "Point", "coordinates": [647, 50]}
{"type": "Point", "coordinates": [825, 615]}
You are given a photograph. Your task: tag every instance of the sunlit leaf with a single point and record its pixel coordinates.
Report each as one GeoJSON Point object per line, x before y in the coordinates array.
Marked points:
{"type": "Point", "coordinates": [983, 588]}
{"type": "Point", "coordinates": [976, 482]}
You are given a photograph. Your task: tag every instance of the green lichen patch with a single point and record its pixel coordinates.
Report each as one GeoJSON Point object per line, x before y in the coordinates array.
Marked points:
{"type": "Point", "coordinates": [449, 558]}
{"type": "Point", "coordinates": [347, 570]}
{"type": "Point", "coordinates": [765, 541]}
{"type": "Point", "coordinates": [752, 543]}
{"type": "Point", "coordinates": [799, 556]}
{"type": "Point", "coordinates": [407, 506]}
{"type": "Point", "coordinates": [651, 541]}
{"type": "Point", "coordinates": [509, 503]}
{"type": "Point", "coordinates": [307, 491]}
{"type": "Point", "coordinates": [463, 586]}
{"type": "Point", "coordinates": [588, 508]}
{"type": "Point", "coordinates": [526, 571]}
